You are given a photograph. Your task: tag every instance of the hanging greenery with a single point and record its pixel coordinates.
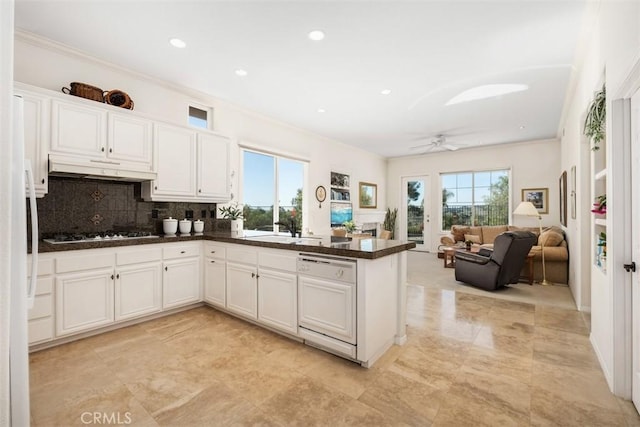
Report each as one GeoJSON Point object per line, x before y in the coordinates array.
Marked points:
{"type": "Point", "coordinates": [594, 123]}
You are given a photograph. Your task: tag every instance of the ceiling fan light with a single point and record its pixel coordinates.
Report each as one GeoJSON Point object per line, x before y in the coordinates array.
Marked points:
{"type": "Point", "coordinates": [486, 91]}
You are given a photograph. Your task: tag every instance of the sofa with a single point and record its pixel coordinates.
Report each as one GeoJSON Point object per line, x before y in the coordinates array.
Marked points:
{"type": "Point", "coordinates": [556, 251]}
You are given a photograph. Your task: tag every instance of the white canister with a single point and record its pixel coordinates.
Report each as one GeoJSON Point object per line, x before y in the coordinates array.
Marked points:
{"type": "Point", "coordinates": [198, 226]}
{"type": "Point", "coordinates": [170, 226]}
{"type": "Point", "coordinates": [185, 226]}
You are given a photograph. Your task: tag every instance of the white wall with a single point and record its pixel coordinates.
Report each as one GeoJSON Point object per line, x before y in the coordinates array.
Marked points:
{"type": "Point", "coordinates": [534, 164]}
{"type": "Point", "coordinates": [51, 66]}
{"type": "Point", "coordinates": [610, 53]}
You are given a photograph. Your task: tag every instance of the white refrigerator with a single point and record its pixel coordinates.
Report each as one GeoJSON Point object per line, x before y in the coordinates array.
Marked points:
{"type": "Point", "coordinates": [21, 290]}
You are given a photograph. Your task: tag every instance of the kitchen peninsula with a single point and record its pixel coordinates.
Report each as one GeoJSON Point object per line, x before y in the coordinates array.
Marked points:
{"type": "Point", "coordinates": [347, 297]}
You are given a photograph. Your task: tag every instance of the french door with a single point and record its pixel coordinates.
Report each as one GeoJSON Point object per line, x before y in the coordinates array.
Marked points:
{"type": "Point", "coordinates": [415, 213]}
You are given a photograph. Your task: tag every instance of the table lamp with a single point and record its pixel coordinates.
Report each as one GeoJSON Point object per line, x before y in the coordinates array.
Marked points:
{"type": "Point", "coordinates": [527, 209]}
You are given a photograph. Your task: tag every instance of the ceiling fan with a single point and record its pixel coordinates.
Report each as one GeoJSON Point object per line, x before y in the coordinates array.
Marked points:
{"type": "Point", "coordinates": [439, 141]}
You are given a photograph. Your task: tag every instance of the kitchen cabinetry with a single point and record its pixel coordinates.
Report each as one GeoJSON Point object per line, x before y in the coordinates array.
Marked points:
{"type": "Point", "coordinates": [214, 181]}
{"type": "Point", "coordinates": [242, 281]}
{"type": "Point", "coordinates": [138, 285]}
{"type": "Point", "coordinates": [84, 292]}
{"type": "Point", "coordinates": [278, 290]}
{"type": "Point", "coordinates": [88, 136]}
{"type": "Point", "coordinates": [181, 275]}
{"type": "Point", "coordinates": [37, 135]}
{"type": "Point", "coordinates": [215, 275]}
{"type": "Point", "coordinates": [191, 166]}
{"type": "Point", "coordinates": [41, 314]}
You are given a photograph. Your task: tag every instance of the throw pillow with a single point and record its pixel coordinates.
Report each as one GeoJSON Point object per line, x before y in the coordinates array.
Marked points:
{"type": "Point", "coordinates": [550, 238]}
{"type": "Point", "coordinates": [472, 237]}
{"type": "Point", "coordinates": [458, 232]}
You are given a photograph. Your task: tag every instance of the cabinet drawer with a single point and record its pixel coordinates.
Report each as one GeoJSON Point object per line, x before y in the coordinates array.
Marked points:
{"type": "Point", "coordinates": [40, 330]}
{"type": "Point", "coordinates": [245, 256]}
{"type": "Point", "coordinates": [45, 266]}
{"type": "Point", "coordinates": [279, 261]}
{"type": "Point", "coordinates": [180, 251]}
{"type": "Point", "coordinates": [215, 251]}
{"type": "Point", "coordinates": [138, 256]}
{"type": "Point", "coordinates": [83, 262]}
{"type": "Point", "coordinates": [42, 307]}
{"type": "Point", "coordinates": [44, 285]}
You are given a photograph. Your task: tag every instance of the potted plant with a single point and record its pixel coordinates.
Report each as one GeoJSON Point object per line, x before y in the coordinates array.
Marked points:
{"type": "Point", "coordinates": [389, 223]}
{"type": "Point", "coordinates": [234, 213]}
{"type": "Point", "coordinates": [350, 226]}
{"type": "Point", "coordinates": [594, 122]}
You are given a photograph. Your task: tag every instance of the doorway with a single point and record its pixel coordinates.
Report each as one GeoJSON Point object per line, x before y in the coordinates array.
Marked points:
{"type": "Point", "coordinates": [415, 213]}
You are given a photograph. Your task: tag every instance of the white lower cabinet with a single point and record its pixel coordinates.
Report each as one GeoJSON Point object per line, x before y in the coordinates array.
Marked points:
{"type": "Point", "coordinates": [41, 316]}
{"type": "Point", "coordinates": [84, 300]}
{"type": "Point", "coordinates": [242, 289]}
{"type": "Point", "coordinates": [138, 290]}
{"type": "Point", "coordinates": [180, 282]}
{"type": "Point", "coordinates": [277, 299]}
{"type": "Point", "coordinates": [215, 281]}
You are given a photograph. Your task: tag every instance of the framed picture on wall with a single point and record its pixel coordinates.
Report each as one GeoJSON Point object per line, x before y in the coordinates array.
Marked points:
{"type": "Point", "coordinates": [563, 198]}
{"type": "Point", "coordinates": [539, 197]}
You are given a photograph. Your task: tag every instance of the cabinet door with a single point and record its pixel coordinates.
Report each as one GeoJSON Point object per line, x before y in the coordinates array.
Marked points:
{"type": "Point", "coordinates": [176, 162]}
{"type": "Point", "coordinates": [78, 129]}
{"type": "Point", "coordinates": [242, 290]}
{"type": "Point", "coordinates": [37, 120]}
{"type": "Point", "coordinates": [138, 290]}
{"type": "Point", "coordinates": [278, 300]}
{"type": "Point", "coordinates": [180, 282]}
{"type": "Point", "coordinates": [84, 300]}
{"type": "Point", "coordinates": [41, 314]}
{"type": "Point", "coordinates": [130, 139]}
{"type": "Point", "coordinates": [215, 281]}
{"type": "Point", "coordinates": [213, 167]}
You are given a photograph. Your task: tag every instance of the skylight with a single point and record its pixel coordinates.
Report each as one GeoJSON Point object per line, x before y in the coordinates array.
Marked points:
{"type": "Point", "coordinates": [486, 91]}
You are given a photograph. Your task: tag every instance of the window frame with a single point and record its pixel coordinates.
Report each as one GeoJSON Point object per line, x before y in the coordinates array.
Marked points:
{"type": "Point", "coordinates": [207, 109]}
{"type": "Point", "coordinates": [276, 205]}
{"type": "Point", "coordinates": [473, 198]}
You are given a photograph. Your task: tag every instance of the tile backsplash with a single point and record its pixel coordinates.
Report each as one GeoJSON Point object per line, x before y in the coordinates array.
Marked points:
{"type": "Point", "coordinates": [85, 205]}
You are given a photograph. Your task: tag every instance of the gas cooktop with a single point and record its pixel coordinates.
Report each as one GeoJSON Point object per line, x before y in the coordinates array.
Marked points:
{"type": "Point", "coordinates": [107, 236]}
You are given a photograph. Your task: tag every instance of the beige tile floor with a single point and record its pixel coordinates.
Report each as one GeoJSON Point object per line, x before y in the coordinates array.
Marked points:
{"type": "Point", "coordinates": [471, 359]}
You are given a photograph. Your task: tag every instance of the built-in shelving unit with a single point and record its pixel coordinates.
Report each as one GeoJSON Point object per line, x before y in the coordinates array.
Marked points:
{"type": "Point", "coordinates": [599, 220]}
{"type": "Point", "coordinates": [340, 187]}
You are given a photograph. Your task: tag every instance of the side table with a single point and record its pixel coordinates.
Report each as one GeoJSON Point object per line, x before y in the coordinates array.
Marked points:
{"type": "Point", "coordinates": [449, 256]}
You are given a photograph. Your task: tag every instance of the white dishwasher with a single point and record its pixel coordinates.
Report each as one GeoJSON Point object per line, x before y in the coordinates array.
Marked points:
{"type": "Point", "coordinates": [327, 303]}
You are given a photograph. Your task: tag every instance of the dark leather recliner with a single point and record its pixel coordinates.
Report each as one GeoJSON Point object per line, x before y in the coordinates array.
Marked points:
{"type": "Point", "coordinates": [491, 270]}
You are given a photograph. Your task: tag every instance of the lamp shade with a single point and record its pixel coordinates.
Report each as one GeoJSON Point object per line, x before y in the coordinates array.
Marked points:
{"type": "Point", "coordinates": [526, 209]}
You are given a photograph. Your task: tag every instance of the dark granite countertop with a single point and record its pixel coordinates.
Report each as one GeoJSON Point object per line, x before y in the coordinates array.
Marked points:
{"type": "Point", "coordinates": [354, 248]}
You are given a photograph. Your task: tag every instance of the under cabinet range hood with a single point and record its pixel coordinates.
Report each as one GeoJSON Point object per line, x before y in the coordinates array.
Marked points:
{"type": "Point", "coordinates": [81, 167]}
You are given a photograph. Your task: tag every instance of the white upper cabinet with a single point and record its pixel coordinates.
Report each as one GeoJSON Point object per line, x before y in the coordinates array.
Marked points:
{"type": "Point", "coordinates": [37, 134]}
{"type": "Point", "coordinates": [78, 129]}
{"type": "Point", "coordinates": [130, 139]}
{"type": "Point", "coordinates": [112, 143]}
{"type": "Point", "coordinates": [192, 166]}
{"type": "Point", "coordinates": [176, 160]}
{"type": "Point", "coordinates": [213, 170]}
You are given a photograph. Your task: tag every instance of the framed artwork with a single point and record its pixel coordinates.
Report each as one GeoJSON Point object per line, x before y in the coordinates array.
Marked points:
{"type": "Point", "coordinates": [539, 197]}
{"type": "Point", "coordinates": [573, 192]}
{"type": "Point", "coordinates": [368, 195]}
{"type": "Point", "coordinates": [562, 183]}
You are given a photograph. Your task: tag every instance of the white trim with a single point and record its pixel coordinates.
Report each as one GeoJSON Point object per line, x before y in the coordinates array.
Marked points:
{"type": "Point", "coordinates": [251, 146]}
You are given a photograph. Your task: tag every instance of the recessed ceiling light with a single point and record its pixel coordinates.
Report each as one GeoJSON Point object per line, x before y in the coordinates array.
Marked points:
{"type": "Point", "coordinates": [321, 110]}
{"type": "Point", "coordinates": [486, 91]}
{"type": "Point", "coordinates": [522, 127]}
{"type": "Point", "coordinates": [385, 91]}
{"type": "Point", "coordinates": [175, 42]}
{"type": "Point", "coordinates": [316, 35]}
{"type": "Point", "coordinates": [240, 72]}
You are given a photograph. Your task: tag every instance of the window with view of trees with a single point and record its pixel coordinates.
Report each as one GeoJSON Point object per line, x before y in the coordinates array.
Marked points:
{"type": "Point", "coordinates": [475, 198]}
{"type": "Point", "coordinates": [271, 191]}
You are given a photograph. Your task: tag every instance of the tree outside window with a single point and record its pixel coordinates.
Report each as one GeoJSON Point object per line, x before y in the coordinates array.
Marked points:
{"type": "Point", "coordinates": [475, 198]}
